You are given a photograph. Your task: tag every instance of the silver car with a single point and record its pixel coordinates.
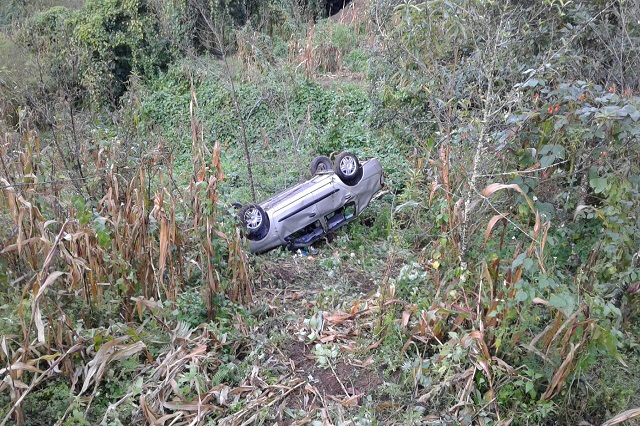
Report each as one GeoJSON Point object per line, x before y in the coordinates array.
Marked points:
{"type": "Point", "coordinates": [309, 210]}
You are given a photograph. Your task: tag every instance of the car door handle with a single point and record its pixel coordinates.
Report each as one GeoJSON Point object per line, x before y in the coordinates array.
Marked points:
{"type": "Point", "coordinates": [313, 214]}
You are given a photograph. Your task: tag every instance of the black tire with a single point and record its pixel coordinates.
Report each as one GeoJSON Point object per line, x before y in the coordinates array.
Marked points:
{"type": "Point", "coordinates": [321, 163]}
{"type": "Point", "coordinates": [255, 221]}
{"type": "Point", "coordinates": [348, 168]}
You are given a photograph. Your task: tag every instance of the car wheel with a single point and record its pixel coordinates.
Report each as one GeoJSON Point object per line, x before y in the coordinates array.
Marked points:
{"type": "Point", "coordinates": [348, 169]}
{"type": "Point", "coordinates": [321, 163]}
{"type": "Point", "coordinates": [255, 221]}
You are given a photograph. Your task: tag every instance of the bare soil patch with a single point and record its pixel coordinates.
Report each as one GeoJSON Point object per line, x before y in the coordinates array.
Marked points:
{"type": "Point", "coordinates": [342, 380]}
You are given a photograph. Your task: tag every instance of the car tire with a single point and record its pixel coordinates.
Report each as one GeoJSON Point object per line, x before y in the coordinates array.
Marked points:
{"type": "Point", "coordinates": [321, 163]}
{"type": "Point", "coordinates": [255, 221]}
{"type": "Point", "coordinates": [348, 168]}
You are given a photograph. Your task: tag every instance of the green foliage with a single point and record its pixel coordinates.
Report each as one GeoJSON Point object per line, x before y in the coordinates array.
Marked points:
{"type": "Point", "coordinates": [594, 137]}
{"type": "Point", "coordinates": [191, 308]}
{"type": "Point", "coordinates": [9, 11]}
{"type": "Point", "coordinates": [301, 117]}
{"type": "Point", "coordinates": [118, 38]}
{"type": "Point", "coordinates": [53, 67]}
{"type": "Point", "coordinates": [48, 404]}
{"type": "Point", "coordinates": [450, 71]}
{"type": "Point", "coordinates": [96, 48]}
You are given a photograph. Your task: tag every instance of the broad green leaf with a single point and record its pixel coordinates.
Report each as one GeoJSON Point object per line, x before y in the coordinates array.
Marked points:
{"type": "Point", "coordinates": [527, 263]}
{"type": "Point", "coordinates": [528, 387]}
{"type": "Point", "coordinates": [547, 160]}
{"type": "Point", "coordinates": [521, 295]}
{"type": "Point", "coordinates": [518, 260]}
{"type": "Point", "coordinates": [599, 185]}
{"type": "Point", "coordinates": [558, 302]}
{"type": "Point", "coordinates": [558, 151]}
{"type": "Point", "coordinates": [631, 111]}
{"type": "Point", "coordinates": [563, 301]}
{"type": "Point", "coordinates": [560, 124]}
{"type": "Point", "coordinates": [543, 282]}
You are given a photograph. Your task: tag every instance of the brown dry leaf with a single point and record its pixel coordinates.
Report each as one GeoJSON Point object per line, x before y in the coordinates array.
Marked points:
{"type": "Point", "coordinates": [492, 188]}
{"type": "Point", "coordinates": [406, 315]}
{"type": "Point", "coordinates": [532, 167]}
{"type": "Point", "coordinates": [37, 315]}
{"type": "Point", "coordinates": [165, 248]}
{"type": "Point", "coordinates": [139, 309]}
{"type": "Point", "coordinates": [432, 193]}
{"type": "Point", "coordinates": [456, 209]}
{"type": "Point", "coordinates": [483, 364]}
{"type": "Point", "coordinates": [347, 348]}
{"type": "Point", "coordinates": [13, 383]}
{"type": "Point", "coordinates": [329, 338]}
{"type": "Point", "coordinates": [189, 406]}
{"type": "Point", "coordinates": [148, 412]}
{"type": "Point", "coordinates": [406, 345]}
{"type": "Point", "coordinates": [349, 402]}
{"type": "Point", "coordinates": [141, 302]}
{"type": "Point", "coordinates": [487, 277]}
{"type": "Point", "coordinates": [501, 363]}
{"type": "Point", "coordinates": [355, 308]}
{"type": "Point", "coordinates": [215, 160]}
{"type": "Point", "coordinates": [558, 328]}
{"type": "Point", "coordinates": [393, 302]}
{"type": "Point", "coordinates": [492, 222]}
{"type": "Point", "coordinates": [18, 365]}
{"type": "Point", "coordinates": [623, 417]}
{"type": "Point", "coordinates": [537, 226]}
{"type": "Point", "coordinates": [162, 420]}
{"type": "Point", "coordinates": [374, 345]}
{"type": "Point", "coordinates": [337, 318]}
{"type": "Point", "coordinates": [367, 362]}
{"type": "Point", "coordinates": [110, 351]}
{"type": "Point", "coordinates": [478, 336]}
{"type": "Point", "coordinates": [241, 389]}
{"type": "Point", "coordinates": [50, 279]}
{"type": "Point", "coordinates": [557, 382]}
{"type": "Point", "coordinates": [14, 247]}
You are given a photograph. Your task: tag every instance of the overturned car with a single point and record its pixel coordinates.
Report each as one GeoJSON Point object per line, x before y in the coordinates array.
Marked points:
{"type": "Point", "coordinates": [296, 217]}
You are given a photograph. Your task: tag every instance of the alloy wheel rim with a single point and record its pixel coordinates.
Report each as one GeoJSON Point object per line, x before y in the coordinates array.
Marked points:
{"type": "Point", "coordinates": [253, 218]}
{"type": "Point", "coordinates": [348, 165]}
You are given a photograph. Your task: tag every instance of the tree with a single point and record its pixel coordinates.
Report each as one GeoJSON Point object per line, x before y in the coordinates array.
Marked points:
{"type": "Point", "coordinates": [118, 38]}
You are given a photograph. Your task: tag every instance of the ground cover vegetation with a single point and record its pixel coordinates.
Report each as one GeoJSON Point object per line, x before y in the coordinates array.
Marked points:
{"type": "Point", "coordinates": [494, 281]}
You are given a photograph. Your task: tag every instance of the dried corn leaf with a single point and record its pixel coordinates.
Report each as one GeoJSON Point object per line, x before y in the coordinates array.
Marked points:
{"type": "Point", "coordinates": [560, 376]}
{"type": "Point", "coordinates": [14, 247]}
{"type": "Point", "coordinates": [113, 350]}
{"type": "Point", "coordinates": [623, 417]}
{"type": "Point", "coordinates": [37, 315]}
{"type": "Point", "coordinates": [494, 187]}
{"type": "Point", "coordinates": [18, 365]}
{"type": "Point", "coordinates": [492, 222]}
{"type": "Point", "coordinates": [337, 318]}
